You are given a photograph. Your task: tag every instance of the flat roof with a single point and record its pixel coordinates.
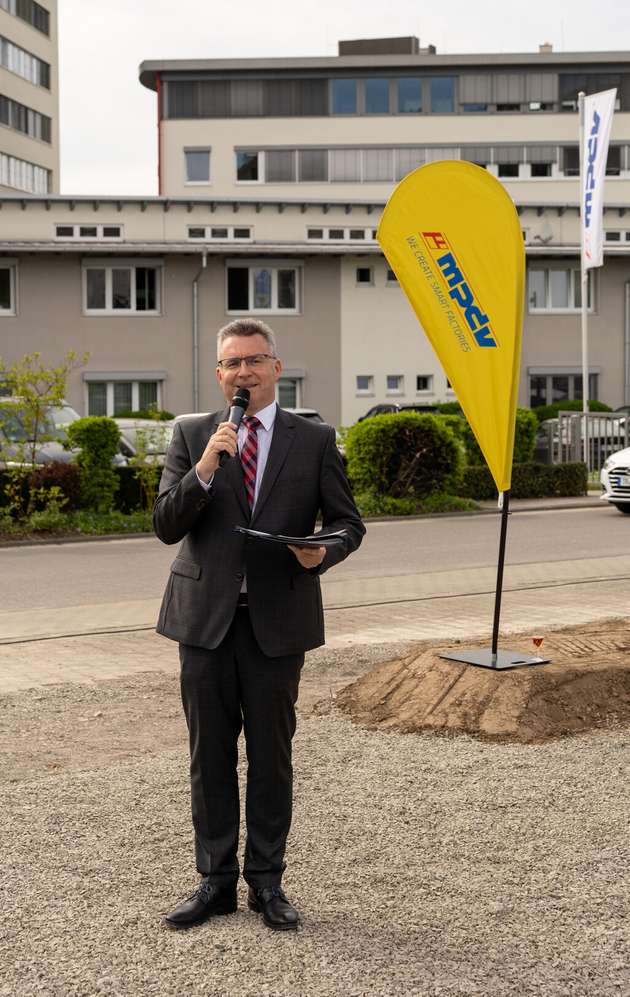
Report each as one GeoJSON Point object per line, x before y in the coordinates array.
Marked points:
{"type": "Point", "coordinates": [424, 61]}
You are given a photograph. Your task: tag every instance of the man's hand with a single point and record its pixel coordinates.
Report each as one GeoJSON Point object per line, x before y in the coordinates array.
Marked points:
{"type": "Point", "coordinates": [224, 439]}
{"type": "Point", "coordinates": [309, 557]}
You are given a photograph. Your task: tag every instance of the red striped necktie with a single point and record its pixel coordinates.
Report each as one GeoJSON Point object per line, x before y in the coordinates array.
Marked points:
{"type": "Point", "coordinates": [249, 456]}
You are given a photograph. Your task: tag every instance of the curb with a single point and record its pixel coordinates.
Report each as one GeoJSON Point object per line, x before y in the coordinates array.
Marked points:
{"type": "Point", "coordinates": [105, 537]}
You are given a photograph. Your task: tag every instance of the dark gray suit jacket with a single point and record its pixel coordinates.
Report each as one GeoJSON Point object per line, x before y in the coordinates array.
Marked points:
{"type": "Point", "coordinates": [303, 476]}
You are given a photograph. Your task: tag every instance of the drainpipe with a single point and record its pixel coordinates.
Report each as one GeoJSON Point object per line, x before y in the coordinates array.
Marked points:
{"type": "Point", "coordinates": [158, 87]}
{"type": "Point", "coordinates": [626, 344]}
{"type": "Point", "coordinates": [195, 332]}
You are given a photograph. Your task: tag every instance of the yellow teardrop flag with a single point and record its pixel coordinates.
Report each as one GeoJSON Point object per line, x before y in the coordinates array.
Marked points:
{"type": "Point", "coordinates": [451, 234]}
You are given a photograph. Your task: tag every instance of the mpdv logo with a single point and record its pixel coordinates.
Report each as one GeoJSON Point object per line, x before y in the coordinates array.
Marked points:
{"type": "Point", "coordinates": [459, 289]}
{"type": "Point", "coordinates": [589, 179]}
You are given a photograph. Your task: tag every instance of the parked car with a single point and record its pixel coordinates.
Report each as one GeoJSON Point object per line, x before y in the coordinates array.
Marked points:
{"type": "Point", "coordinates": [306, 413]}
{"type": "Point", "coordinates": [615, 480]}
{"type": "Point", "coordinates": [14, 436]}
{"type": "Point", "coordinates": [386, 408]}
{"type": "Point", "coordinates": [149, 435]}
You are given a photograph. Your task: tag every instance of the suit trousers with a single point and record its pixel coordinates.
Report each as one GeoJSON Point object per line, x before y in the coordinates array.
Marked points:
{"type": "Point", "coordinates": [234, 687]}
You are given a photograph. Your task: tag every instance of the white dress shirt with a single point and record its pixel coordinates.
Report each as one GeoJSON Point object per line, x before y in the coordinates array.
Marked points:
{"type": "Point", "coordinates": [267, 418]}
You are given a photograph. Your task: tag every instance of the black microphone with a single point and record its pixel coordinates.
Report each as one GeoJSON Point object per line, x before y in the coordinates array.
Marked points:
{"type": "Point", "coordinates": [236, 413]}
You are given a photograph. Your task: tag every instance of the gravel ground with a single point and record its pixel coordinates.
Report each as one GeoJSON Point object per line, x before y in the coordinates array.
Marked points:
{"type": "Point", "coordinates": [421, 865]}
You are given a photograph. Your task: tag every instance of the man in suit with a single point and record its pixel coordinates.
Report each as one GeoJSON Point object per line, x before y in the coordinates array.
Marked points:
{"type": "Point", "coordinates": [244, 612]}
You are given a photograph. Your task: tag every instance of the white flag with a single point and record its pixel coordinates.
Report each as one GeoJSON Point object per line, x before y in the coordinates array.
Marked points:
{"type": "Point", "coordinates": [598, 114]}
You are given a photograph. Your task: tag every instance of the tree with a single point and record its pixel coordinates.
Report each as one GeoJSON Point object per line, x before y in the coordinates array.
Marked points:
{"type": "Point", "coordinates": [35, 389]}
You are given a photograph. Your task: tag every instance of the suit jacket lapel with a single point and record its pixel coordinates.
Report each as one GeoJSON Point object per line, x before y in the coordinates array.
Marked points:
{"type": "Point", "coordinates": [283, 436]}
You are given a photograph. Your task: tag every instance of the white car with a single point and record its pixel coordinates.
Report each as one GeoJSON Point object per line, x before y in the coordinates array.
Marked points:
{"type": "Point", "coordinates": [615, 479]}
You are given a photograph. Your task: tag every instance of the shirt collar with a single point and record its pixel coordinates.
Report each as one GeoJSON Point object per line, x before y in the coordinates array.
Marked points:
{"type": "Point", "coordinates": [267, 416]}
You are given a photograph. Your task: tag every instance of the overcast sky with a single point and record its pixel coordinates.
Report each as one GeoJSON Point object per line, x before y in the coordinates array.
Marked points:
{"type": "Point", "coordinates": [108, 120]}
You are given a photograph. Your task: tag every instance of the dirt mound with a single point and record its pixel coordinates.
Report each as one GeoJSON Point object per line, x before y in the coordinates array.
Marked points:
{"type": "Point", "coordinates": [586, 685]}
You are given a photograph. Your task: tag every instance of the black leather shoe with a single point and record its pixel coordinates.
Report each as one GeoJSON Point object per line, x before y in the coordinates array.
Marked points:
{"type": "Point", "coordinates": [277, 912]}
{"type": "Point", "coordinates": [207, 900]}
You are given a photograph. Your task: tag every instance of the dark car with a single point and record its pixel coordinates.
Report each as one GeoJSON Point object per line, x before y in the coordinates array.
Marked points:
{"type": "Point", "coordinates": [385, 408]}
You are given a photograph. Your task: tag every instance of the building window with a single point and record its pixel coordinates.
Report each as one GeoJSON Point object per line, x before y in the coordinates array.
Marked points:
{"type": "Point", "coordinates": [365, 384]}
{"type": "Point", "coordinates": [508, 169]}
{"type": "Point", "coordinates": [392, 279]}
{"type": "Point", "coordinates": [312, 165]}
{"type": "Point", "coordinates": [197, 165]}
{"type": "Point", "coordinates": [280, 165]}
{"type": "Point", "coordinates": [556, 290]}
{"type": "Point", "coordinates": [395, 384]}
{"type": "Point", "coordinates": [29, 67]}
{"type": "Point", "coordinates": [547, 389]}
{"type": "Point", "coordinates": [409, 95]}
{"type": "Point", "coordinates": [424, 382]}
{"type": "Point", "coordinates": [21, 118]}
{"type": "Point", "coordinates": [222, 232]}
{"type": "Point", "coordinates": [262, 289]}
{"type": "Point", "coordinates": [473, 108]}
{"type": "Point", "coordinates": [7, 290]}
{"type": "Point", "coordinates": [541, 169]}
{"type": "Point", "coordinates": [340, 234]}
{"type": "Point", "coordinates": [29, 11]}
{"type": "Point", "coordinates": [442, 95]}
{"type": "Point", "coordinates": [288, 392]}
{"type": "Point", "coordinates": [24, 176]}
{"type": "Point", "coordinates": [376, 93]}
{"type": "Point", "coordinates": [114, 397]}
{"type": "Point", "coordinates": [344, 96]}
{"type": "Point", "coordinates": [247, 166]}
{"type": "Point", "coordinates": [88, 232]}
{"type": "Point", "coordinates": [118, 290]}
{"type": "Point", "coordinates": [364, 275]}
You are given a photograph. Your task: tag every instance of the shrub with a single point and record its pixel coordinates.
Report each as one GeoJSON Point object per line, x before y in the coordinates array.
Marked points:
{"type": "Point", "coordinates": [450, 408]}
{"type": "Point", "coordinates": [524, 439]}
{"type": "Point", "coordinates": [65, 477]}
{"type": "Point", "coordinates": [543, 412]}
{"type": "Point", "coordinates": [405, 454]}
{"type": "Point", "coordinates": [98, 437]}
{"type": "Point", "coordinates": [529, 481]}
{"type": "Point", "coordinates": [371, 504]}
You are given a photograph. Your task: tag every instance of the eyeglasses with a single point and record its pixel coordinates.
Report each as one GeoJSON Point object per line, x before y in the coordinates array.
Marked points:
{"type": "Point", "coordinates": [255, 360]}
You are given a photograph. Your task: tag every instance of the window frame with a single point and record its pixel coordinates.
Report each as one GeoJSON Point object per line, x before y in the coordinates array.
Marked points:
{"type": "Point", "coordinates": [230, 237]}
{"type": "Point", "coordinates": [364, 392]}
{"type": "Point", "coordinates": [548, 309]}
{"type": "Point", "coordinates": [124, 264]}
{"type": "Point", "coordinates": [260, 155]}
{"type": "Point", "coordinates": [261, 264]}
{"type": "Point", "coordinates": [201, 148]}
{"type": "Point", "coordinates": [399, 389]}
{"type": "Point", "coordinates": [364, 283]}
{"type": "Point", "coordinates": [76, 232]}
{"type": "Point", "coordinates": [429, 389]}
{"type": "Point", "coordinates": [135, 382]}
{"type": "Point", "coordinates": [12, 267]}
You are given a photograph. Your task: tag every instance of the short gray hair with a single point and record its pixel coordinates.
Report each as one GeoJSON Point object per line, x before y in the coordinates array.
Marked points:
{"type": "Point", "coordinates": [247, 327]}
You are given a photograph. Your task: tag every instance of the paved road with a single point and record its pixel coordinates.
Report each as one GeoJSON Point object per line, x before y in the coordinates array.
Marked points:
{"type": "Point", "coordinates": [76, 611]}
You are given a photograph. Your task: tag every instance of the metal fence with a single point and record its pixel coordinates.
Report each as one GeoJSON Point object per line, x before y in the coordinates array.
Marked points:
{"type": "Point", "coordinates": [575, 436]}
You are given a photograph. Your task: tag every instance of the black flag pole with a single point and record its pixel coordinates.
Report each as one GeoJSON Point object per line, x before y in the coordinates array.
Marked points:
{"type": "Point", "coordinates": [494, 658]}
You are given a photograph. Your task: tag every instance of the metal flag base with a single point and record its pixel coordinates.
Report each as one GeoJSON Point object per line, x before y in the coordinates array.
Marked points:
{"type": "Point", "coordinates": [499, 661]}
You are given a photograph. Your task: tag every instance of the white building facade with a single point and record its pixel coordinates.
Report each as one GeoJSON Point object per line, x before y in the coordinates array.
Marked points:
{"type": "Point", "coordinates": [273, 176]}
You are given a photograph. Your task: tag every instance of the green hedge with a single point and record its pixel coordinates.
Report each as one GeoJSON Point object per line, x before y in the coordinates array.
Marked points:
{"type": "Point", "coordinates": [403, 454]}
{"type": "Point", "coordinates": [543, 412]}
{"type": "Point", "coordinates": [528, 481]}
{"type": "Point", "coordinates": [524, 439]}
